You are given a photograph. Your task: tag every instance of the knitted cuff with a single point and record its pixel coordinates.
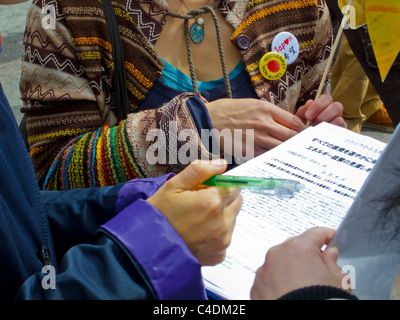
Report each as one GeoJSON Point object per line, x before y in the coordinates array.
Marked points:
{"type": "Point", "coordinates": [165, 139]}
{"type": "Point", "coordinates": [318, 293]}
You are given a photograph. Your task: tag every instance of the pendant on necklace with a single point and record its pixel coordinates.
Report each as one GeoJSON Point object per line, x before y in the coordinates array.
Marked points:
{"type": "Point", "coordinates": [197, 31]}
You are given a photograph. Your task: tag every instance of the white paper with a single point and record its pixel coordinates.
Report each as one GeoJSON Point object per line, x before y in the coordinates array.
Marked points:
{"type": "Point", "coordinates": [331, 162]}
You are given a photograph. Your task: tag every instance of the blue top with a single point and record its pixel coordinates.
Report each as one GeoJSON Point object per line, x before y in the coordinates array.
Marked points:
{"type": "Point", "coordinates": [176, 79]}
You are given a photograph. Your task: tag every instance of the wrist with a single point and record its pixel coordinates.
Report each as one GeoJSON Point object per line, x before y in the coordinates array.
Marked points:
{"type": "Point", "coordinates": [136, 189]}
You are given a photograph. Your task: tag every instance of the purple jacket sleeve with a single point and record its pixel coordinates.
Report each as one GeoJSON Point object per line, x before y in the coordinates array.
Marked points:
{"type": "Point", "coordinates": [147, 235]}
{"type": "Point", "coordinates": [139, 189]}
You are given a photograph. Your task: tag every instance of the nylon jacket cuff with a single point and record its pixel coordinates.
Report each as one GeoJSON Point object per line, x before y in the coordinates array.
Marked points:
{"type": "Point", "coordinates": [139, 189]}
{"type": "Point", "coordinates": [168, 263]}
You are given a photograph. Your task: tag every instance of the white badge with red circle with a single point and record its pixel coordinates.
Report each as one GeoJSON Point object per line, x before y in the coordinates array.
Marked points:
{"type": "Point", "coordinates": [287, 45]}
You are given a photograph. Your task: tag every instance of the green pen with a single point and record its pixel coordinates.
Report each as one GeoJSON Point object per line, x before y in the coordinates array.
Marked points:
{"type": "Point", "coordinates": [267, 186]}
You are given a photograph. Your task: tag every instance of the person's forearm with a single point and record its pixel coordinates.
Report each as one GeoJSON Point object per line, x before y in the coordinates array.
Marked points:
{"type": "Point", "coordinates": [137, 255]}
{"type": "Point", "coordinates": [99, 158]}
{"type": "Point", "coordinates": [75, 216]}
{"type": "Point", "coordinates": [90, 271]}
{"type": "Point", "coordinates": [165, 259]}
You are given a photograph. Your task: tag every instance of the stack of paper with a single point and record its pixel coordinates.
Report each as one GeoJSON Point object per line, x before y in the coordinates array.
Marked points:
{"type": "Point", "coordinates": [331, 162]}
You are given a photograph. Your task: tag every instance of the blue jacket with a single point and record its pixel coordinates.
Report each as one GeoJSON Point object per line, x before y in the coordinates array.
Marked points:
{"type": "Point", "coordinates": [96, 243]}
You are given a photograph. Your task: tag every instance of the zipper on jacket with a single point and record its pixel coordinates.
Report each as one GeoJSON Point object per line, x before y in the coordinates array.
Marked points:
{"type": "Point", "coordinates": [45, 251]}
{"type": "Point", "coordinates": [46, 259]}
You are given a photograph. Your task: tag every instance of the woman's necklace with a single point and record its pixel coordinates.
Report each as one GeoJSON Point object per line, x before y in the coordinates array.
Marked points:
{"type": "Point", "coordinates": [197, 29]}
{"type": "Point", "coordinates": [194, 14]}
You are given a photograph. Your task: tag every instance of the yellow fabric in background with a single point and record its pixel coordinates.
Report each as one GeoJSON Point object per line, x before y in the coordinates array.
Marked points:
{"type": "Point", "coordinates": [383, 22]}
{"type": "Point", "coordinates": [351, 87]}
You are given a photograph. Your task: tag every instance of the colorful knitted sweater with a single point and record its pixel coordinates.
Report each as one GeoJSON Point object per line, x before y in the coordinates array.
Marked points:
{"type": "Point", "coordinates": [73, 134]}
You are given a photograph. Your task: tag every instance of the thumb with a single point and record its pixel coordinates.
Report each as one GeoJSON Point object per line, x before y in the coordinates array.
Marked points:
{"type": "Point", "coordinates": [198, 172]}
{"type": "Point", "coordinates": [330, 257]}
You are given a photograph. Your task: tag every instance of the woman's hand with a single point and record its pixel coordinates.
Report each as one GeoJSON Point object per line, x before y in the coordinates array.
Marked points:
{"type": "Point", "coordinates": [323, 109]}
{"type": "Point", "coordinates": [298, 263]}
{"type": "Point", "coordinates": [271, 124]}
{"type": "Point", "coordinates": [203, 216]}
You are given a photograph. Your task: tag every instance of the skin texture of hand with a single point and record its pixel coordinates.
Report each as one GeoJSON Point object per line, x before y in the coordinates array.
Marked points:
{"type": "Point", "coordinates": [323, 109]}
{"type": "Point", "coordinates": [203, 216]}
{"type": "Point", "coordinates": [298, 263]}
{"type": "Point", "coordinates": [271, 124]}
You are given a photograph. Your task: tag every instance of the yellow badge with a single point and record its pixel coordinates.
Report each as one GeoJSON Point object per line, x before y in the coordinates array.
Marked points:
{"type": "Point", "coordinates": [273, 66]}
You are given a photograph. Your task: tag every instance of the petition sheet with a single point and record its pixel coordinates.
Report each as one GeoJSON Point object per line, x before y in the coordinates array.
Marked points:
{"type": "Point", "coordinates": [331, 162]}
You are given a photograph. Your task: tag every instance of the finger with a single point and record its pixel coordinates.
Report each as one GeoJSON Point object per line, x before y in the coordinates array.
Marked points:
{"type": "Point", "coordinates": [234, 206]}
{"type": "Point", "coordinates": [283, 133]}
{"type": "Point", "coordinates": [330, 256]}
{"type": "Point", "coordinates": [288, 120]}
{"type": "Point", "coordinates": [279, 129]}
{"type": "Point", "coordinates": [259, 150]}
{"type": "Point", "coordinates": [318, 106]}
{"type": "Point", "coordinates": [230, 214]}
{"type": "Point", "coordinates": [319, 236]}
{"type": "Point", "coordinates": [266, 142]}
{"type": "Point", "coordinates": [197, 172]}
{"type": "Point", "coordinates": [214, 200]}
{"type": "Point", "coordinates": [330, 113]}
{"type": "Point", "coordinates": [217, 249]}
{"type": "Point", "coordinates": [227, 195]}
{"type": "Point", "coordinates": [227, 215]}
{"type": "Point", "coordinates": [283, 117]}
{"type": "Point", "coordinates": [339, 121]}
{"type": "Point", "coordinates": [302, 110]}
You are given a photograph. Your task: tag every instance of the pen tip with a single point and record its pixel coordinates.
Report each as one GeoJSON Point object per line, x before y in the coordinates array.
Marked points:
{"type": "Point", "coordinates": [300, 187]}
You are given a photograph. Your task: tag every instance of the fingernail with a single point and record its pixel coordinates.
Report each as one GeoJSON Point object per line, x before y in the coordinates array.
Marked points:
{"type": "Point", "coordinates": [219, 162]}
{"type": "Point", "coordinates": [213, 162]}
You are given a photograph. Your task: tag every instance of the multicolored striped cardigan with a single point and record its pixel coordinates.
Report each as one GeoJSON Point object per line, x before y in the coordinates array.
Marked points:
{"type": "Point", "coordinates": [73, 134]}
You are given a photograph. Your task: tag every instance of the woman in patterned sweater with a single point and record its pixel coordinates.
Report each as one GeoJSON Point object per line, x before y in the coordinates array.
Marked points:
{"type": "Point", "coordinates": [74, 136]}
